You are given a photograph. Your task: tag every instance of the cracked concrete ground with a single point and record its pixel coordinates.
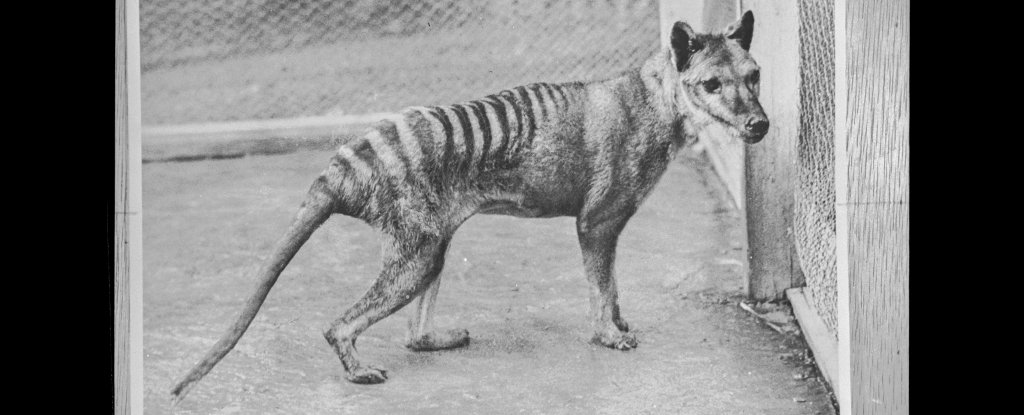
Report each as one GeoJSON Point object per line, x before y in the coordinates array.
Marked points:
{"type": "Point", "coordinates": [516, 284]}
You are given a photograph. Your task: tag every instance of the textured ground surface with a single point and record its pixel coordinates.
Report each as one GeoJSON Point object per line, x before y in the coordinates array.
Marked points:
{"type": "Point", "coordinates": [517, 285]}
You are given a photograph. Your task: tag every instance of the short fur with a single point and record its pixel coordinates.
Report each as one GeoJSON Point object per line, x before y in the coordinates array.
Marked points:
{"type": "Point", "coordinates": [588, 150]}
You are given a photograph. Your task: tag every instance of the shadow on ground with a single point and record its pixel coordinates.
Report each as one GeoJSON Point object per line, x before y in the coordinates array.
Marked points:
{"type": "Point", "coordinates": [517, 285]}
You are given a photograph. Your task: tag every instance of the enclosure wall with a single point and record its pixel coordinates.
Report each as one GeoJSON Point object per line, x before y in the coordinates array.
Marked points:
{"type": "Point", "coordinates": [225, 60]}
{"type": "Point", "coordinates": [873, 204]}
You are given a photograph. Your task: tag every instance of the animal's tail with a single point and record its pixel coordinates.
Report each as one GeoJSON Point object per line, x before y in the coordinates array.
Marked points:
{"type": "Point", "coordinates": [314, 212]}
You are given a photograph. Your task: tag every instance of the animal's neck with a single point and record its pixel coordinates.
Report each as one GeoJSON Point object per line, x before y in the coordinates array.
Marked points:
{"type": "Point", "coordinates": [661, 79]}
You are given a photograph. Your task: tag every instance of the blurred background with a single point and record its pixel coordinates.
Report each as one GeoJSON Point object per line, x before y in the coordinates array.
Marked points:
{"type": "Point", "coordinates": [229, 60]}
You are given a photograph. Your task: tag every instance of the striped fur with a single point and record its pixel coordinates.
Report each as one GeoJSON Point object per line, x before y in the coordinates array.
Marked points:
{"type": "Point", "coordinates": [423, 155]}
{"type": "Point", "coordinates": [589, 150]}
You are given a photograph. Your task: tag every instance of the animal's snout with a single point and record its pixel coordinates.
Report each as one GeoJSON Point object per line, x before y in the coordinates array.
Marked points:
{"type": "Point", "coordinates": [757, 125]}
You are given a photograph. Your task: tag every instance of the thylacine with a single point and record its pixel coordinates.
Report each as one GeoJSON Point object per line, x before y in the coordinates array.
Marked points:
{"type": "Point", "coordinates": [589, 150]}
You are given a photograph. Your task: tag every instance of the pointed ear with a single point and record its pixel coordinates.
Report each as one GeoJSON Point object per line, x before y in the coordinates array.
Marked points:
{"type": "Point", "coordinates": [683, 44]}
{"type": "Point", "coordinates": [742, 31]}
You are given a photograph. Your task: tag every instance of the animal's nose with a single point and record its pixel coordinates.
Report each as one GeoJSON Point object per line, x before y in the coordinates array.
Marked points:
{"type": "Point", "coordinates": [757, 125]}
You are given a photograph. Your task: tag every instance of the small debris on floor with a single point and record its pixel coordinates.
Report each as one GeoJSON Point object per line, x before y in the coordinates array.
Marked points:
{"type": "Point", "coordinates": [778, 316]}
{"type": "Point", "coordinates": [713, 298]}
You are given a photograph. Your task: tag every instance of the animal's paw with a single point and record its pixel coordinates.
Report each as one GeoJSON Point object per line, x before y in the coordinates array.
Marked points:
{"type": "Point", "coordinates": [367, 375]}
{"type": "Point", "coordinates": [618, 341]}
{"type": "Point", "coordinates": [440, 341]}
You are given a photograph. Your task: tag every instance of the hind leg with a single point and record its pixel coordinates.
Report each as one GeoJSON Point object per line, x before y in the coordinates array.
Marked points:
{"type": "Point", "coordinates": [411, 263]}
{"type": "Point", "coordinates": [422, 337]}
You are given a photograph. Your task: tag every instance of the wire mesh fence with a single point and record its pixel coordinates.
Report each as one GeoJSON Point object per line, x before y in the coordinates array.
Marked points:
{"type": "Point", "coordinates": [815, 219]}
{"type": "Point", "coordinates": [224, 60]}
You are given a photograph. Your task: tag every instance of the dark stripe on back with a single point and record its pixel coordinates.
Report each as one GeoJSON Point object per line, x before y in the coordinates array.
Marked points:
{"type": "Point", "coordinates": [510, 143]}
{"type": "Point", "coordinates": [485, 129]}
{"type": "Point", "coordinates": [340, 162]}
{"type": "Point", "coordinates": [467, 135]}
{"type": "Point", "coordinates": [449, 143]}
{"type": "Point", "coordinates": [517, 110]}
{"type": "Point", "coordinates": [499, 110]}
{"type": "Point", "coordinates": [559, 96]}
{"type": "Point", "coordinates": [568, 91]}
{"type": "Point", "coordinates": [528, 114]}
{"type": "Point", "coordinates": [364, 151]}
{"type": "Point", "coordinates": [536, 88]}
{"type": "Point", "coordinates": [389, 131]}
{"type": "Point", "coordinates": [424, 132]}
{"type": "Point", "coordinates": [552, 101]}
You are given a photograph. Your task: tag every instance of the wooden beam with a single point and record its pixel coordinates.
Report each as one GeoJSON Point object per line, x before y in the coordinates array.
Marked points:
{"type": "Point", "coordinates": [873, 204]}
{"type": "Point", "coordinates": [127, 211]}
{"type": "Point", "coordinates": [121, 352]}
{"type": "Point", "coordinates": [770, 166]}
{"type": "Point", "coordinates": [818, 337]}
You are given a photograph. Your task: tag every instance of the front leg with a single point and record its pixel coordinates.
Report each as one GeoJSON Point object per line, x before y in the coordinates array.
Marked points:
{"type": "Point", "coordinates": [597, 242]}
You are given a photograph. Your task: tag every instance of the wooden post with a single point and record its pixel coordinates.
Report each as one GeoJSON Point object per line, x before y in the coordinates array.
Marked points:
{"type": "Point", "coordinates": [770, 166]}
{"type": "Point", "coordinates": [127, 243]}
{"type": "Point", "coordinates": [873, 204]}
{"type": "Point", "coordinates": [121, 353]}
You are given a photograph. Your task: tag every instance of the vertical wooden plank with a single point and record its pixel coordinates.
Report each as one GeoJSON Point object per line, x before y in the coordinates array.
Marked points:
{"type": "Point", "coordinates": [872, 206]}
{"type": "Point", "coordinates": [121, 294]}
{"type": "Point", "coordinates": [127, 212]}
{"type": "Point", "coordinates": [817, 336]}
{"type": "Point", "coordinates": [770, 166]}
{"type": "Point", "coordinates": [842, 390]}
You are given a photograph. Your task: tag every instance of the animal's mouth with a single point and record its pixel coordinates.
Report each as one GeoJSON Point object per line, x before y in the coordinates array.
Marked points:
{"type": "Point", "coordinates": [750, 138]}
{"type": "Point", "coordinates": [747, 136]}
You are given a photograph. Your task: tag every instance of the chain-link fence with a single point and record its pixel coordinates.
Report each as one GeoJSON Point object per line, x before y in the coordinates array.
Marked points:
{"type": "Point", "coordinates": [221, 60]}
{"type": "Point", "coordinates": [815, 219]}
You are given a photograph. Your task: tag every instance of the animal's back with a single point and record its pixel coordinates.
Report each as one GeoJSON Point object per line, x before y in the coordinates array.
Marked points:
{"type": "Point", "coordinates": [519, 152]}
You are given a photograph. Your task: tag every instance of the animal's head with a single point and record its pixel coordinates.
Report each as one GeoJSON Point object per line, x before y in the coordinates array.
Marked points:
{"type": "Point", "coordinates": [718, 81]}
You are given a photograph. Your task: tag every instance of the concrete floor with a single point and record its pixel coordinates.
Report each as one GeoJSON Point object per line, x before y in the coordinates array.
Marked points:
{"type": "Point", "coordinates": [516, 284]}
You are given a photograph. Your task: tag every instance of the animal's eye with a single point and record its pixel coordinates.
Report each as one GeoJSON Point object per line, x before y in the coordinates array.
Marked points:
{"type": "Point", "coordinates": [755, 77]}
{"type": "Point", "coordinates": [712, 85]}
